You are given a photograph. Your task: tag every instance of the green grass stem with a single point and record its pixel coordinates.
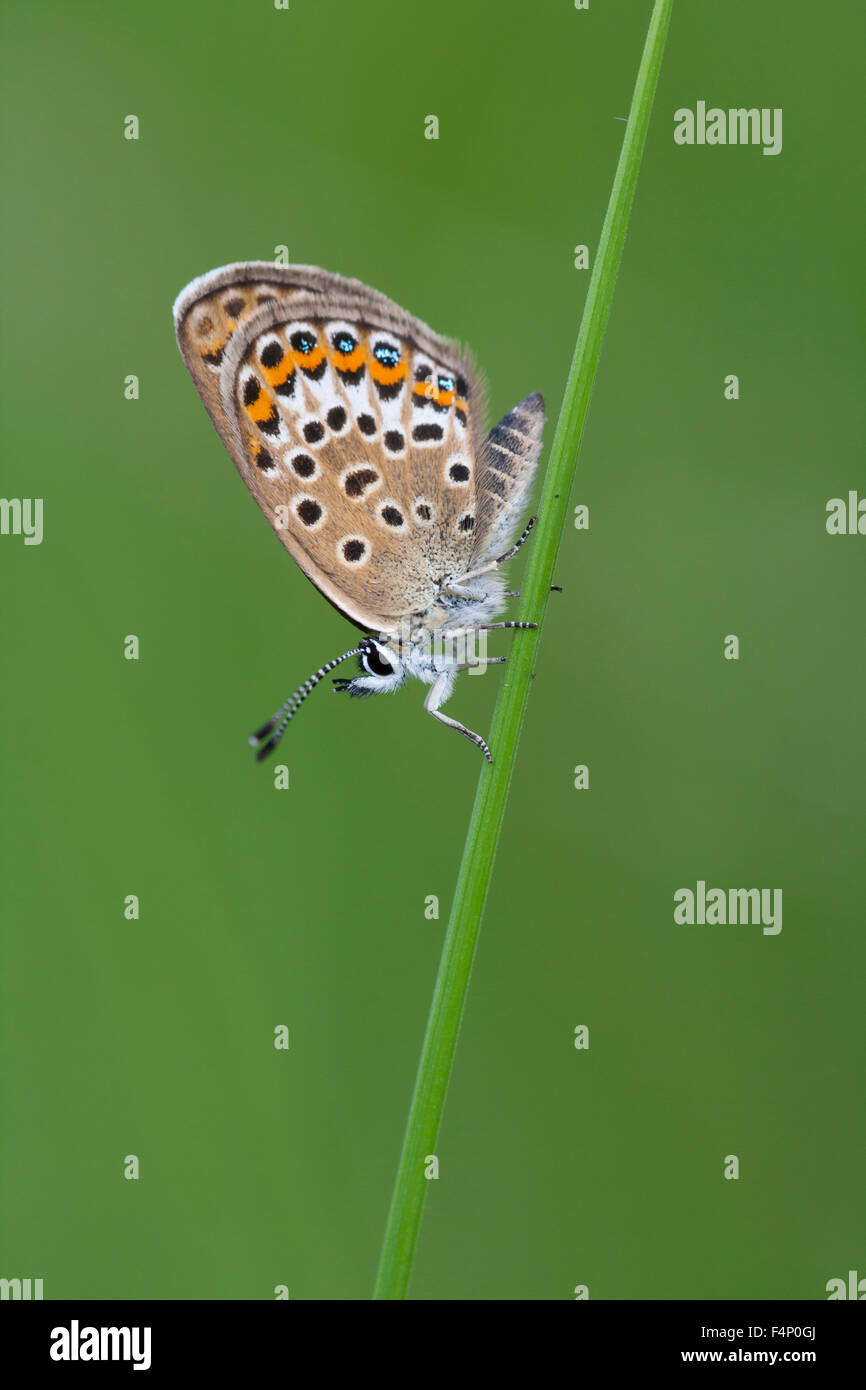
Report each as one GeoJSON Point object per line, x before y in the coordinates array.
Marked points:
{"type": "Point", "coordinates": [449, 996]}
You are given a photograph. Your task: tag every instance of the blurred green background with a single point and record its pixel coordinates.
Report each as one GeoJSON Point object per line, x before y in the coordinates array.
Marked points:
{"type": "Point", "coordinates": [306, 907]}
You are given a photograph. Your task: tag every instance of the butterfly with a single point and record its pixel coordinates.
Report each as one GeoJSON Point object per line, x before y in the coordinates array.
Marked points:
{"type": "Point", "coordinates": [359, 432]}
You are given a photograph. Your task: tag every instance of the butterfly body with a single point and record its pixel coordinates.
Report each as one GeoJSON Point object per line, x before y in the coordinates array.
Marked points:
{"type": "Point", "coordinates": [359, 431]}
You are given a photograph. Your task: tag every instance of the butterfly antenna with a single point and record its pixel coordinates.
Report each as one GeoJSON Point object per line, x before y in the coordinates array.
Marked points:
{"type": "Point", "coordinates": [286, 712]}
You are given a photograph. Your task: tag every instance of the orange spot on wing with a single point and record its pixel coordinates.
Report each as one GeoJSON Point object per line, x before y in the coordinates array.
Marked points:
{"type": "Point", "coordinates": [349, 361]}
{"type": "Point", "coordinates": [311, 360]}
{"type": "Point", "coordinates": [386, 376]}
{"type": "Point", "coordinates": [275, 376]}
{"type": "Point", "coordinates": [430, 392]}
{"type": "Point", "coordinates": [261, 407]}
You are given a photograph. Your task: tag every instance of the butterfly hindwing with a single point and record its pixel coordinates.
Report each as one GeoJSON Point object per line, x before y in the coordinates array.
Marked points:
{"type": "Point", "coordinates": [355, 428]}
{"type": "Point", "coordinates": [507, 463]}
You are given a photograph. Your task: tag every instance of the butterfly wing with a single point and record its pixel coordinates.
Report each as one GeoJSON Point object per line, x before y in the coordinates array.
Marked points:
{"type": "Point", "coordinates": [507, 463]}
{"type": "Point", "coordinates": [354, 426]}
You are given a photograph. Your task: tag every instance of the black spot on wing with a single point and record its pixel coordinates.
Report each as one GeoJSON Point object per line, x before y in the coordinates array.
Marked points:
{"type": "Point", "coordinates": [356, 483]}
{"type": "Point", "coordinates": [303, 342]}
{"type": "Point", "coordinates": [388, 391]}
{"type": "Point", "coordinates": [271, 354]}
{"type": "Point", "coordinates": [351, 377]}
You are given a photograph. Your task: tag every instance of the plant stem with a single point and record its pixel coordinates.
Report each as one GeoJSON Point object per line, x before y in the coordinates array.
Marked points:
{"type": "Point", "coordinates": [452, 983]}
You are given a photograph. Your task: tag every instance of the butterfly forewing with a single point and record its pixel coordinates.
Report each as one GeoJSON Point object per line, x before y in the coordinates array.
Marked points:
{"type": "Point", "coordinates": [355, 427]}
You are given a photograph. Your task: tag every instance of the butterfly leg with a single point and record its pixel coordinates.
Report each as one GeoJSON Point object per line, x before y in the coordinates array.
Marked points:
{"type": "Point", "coordinates": [491, 627]}
{"type": "Point", "coordinates": [438, 692]}
{"type": "Point", "coordinates": [480, 627]}
{"type": "Point", "coordinates": [482, 661]}
{"type": "Point", "coordinates": [460, 591]}
{"type": "Point", "coordinates": [515, 593]}
{"type": "Point", "coordinates": [500, 559]}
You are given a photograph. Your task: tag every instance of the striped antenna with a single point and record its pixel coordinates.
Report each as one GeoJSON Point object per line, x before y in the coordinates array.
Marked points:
{"type": "Point", "coordinates": [286, 712]}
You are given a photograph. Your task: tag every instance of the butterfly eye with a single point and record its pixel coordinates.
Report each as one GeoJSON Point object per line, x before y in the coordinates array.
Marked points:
{"type": "Point", "coordinates": [374, 664]}
{"type": "Point", "coordinates": [344, 343]}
